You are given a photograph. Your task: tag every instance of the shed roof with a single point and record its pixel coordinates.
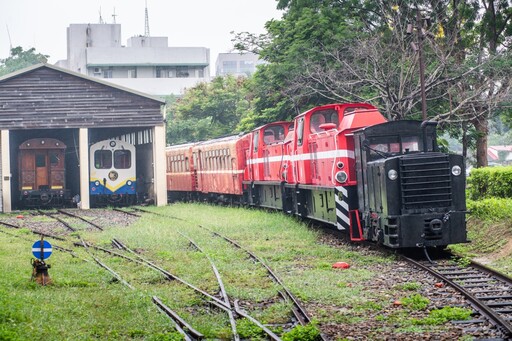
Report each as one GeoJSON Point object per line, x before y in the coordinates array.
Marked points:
{"type": "Point", "coordinates": [47, 96]}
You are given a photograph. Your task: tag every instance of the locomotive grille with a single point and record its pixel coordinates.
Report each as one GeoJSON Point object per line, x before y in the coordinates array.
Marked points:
{"type": "Point", "coordinates": [425, 182]}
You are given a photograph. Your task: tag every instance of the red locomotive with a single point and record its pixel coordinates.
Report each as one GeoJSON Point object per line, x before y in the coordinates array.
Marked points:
{"type": "Point", "coordinates": [341, 164]}
{"type": "Point", "coordinates": [42, 176]}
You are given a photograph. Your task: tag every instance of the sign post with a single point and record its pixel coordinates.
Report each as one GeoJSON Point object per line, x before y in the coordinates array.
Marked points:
{"type": "Point", "coordinates": [41, 250]}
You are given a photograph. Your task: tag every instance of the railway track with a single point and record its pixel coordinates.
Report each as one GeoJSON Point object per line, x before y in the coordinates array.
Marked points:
{"type": "Point", "coordinates": [299, 312]}
{"type": "Point", "coordinates": [233, 310]}
{"type": "Point", "coordinates": [488, 291]}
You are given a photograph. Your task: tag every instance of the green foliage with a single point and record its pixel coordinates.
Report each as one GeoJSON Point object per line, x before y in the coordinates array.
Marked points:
{"type": "Point", "coordinates": [308, 332]}
{"type": "Point", "coordinates": [490, 182]}
{"type": "Point", "coordinates": [415, 302]}
{"type": "Point", "coordinates": [409, 286]}
{"type": "Point", "coordinates": [440, 316]}
{"type": "Point", "coordinates": [208, 110]}
{"type": "Point", "coordinates": [248, 330]}
{"type": "Point", "coordinates": [491, 209]}
{"type": "Point", "coordinates": [20, 59]}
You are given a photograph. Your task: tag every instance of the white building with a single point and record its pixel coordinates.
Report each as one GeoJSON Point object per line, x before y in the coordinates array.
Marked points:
{"type": "Point", "coordinates": [236, 64]}
{"type": "Point", "coordinates": [146, 64]}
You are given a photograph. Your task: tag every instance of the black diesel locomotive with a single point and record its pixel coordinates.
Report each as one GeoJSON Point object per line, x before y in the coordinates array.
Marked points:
{"type": "Point", "coordinates": [410, 194]}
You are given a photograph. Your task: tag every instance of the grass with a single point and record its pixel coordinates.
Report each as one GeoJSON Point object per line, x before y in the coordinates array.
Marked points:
{"type": "Point", "coordinates": [489, 230]}
{"type": "Point", "coordinates": [84, 299]}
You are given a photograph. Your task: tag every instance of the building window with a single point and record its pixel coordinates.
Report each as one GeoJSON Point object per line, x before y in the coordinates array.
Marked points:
{"type": "Point", "coordinates": [200, 73]}
{"type": "Point", "coordinates": [161, 72]}
{"type": "Point", "coordinates": [229, 66]}
{"type": "Point", "coordinates": [182, 72]}
{"type": "Point", "coordinates": [107, 73]}
{"type": "Point", "coordinates": [247, 67]}
{"type": "Point", "coordinates": [132, 73]}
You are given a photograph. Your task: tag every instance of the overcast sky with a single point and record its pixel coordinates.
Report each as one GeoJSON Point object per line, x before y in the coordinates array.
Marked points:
{"type": "Point", "coordinates": [205, 23]}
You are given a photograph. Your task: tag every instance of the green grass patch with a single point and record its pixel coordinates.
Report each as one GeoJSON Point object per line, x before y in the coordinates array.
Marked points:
{"type": "Point", "coordinates": [440, 316]}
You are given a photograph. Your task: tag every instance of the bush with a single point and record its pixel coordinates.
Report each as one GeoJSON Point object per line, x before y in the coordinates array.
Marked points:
{"type": "Point", "coordinates": [490, 182]}
{"type": "Point", "coordinates": [491, 209]}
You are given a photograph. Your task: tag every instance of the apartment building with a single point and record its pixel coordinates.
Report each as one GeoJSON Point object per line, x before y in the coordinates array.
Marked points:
{"type": "Point", "coordinates": [146, 64]}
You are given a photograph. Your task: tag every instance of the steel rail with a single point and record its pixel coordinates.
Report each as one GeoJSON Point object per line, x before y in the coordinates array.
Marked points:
{"type": "Point", "coordinates": [126, 212]}
{"type": "Point", "coordinates": [256, 322]}
{"type": "Point", "coordinates": [116, 275]}
{"type": "Point", "coordinates": [216, 301]}
{"type": "Point", "coordinates": [299, 311]}
{"type": "Point", "coordinates": [504, 326]}
{"type": "Point", "coordinates": [155, 213]}
{"type": "Point", "coordinates": [181, 326]}
{"type": "Point", "coordinates": [221, 286]}
{"type": "Point", "coordinates": [10, 225]}
{"type": "Point", "coordinates": [81, 218]}
{"type": "Point", "coordinates": [69, 227]}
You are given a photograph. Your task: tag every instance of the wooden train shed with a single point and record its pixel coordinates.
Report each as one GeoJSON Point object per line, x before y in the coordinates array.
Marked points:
{"type": "Point", "coordinates": [51, 102]}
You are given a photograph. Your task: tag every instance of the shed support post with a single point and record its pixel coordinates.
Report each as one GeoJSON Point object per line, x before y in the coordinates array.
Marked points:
{"type": "Point", "coordinates": [159, 164]}
{"type": "Point", "coordinates": [84, 168]}
{"type": "Point", "coordinates": [6, 172]}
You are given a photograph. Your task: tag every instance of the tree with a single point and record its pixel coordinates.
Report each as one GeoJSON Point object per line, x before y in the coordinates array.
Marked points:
{"type": "Point", "coordinates": [20, 59]}
{"type": "Point", "coordinates": [356, 50]}
{"type": "Point", "coordinates": [209, 110]}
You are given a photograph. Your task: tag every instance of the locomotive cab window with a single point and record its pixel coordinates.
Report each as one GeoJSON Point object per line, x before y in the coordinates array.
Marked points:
{"type": "Point", "coordinates": [103, 159]}
{"type": "Point", "coordinates": [122, 159]}
{"type": "Point", "coordinates": [300, 131]}
{"type": "Point", "coordinates": [384, 146]}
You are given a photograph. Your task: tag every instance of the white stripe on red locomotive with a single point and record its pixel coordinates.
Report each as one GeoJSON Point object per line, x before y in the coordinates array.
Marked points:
{"type": "Point", "coordinates": [304, 157]}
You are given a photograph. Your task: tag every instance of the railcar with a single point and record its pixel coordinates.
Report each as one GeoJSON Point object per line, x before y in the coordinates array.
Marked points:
{"type": "Point", "coordinates": [42, 173]}
{"type": "Point", "coordinates": [112, 173]}
{"type": "Point", "coordinates": [267, 161]}
{"type": "Point", "coordinates": [219, 167]}
{"type": "Point", "coordinates": [181, 174]}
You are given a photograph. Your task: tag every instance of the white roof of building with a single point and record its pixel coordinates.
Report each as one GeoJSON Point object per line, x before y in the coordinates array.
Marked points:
{"type": "Point", "coordinates": [129, 56]}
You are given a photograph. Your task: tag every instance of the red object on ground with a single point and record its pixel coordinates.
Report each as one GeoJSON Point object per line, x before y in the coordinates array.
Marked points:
{"type": "Point", "coordinates": [19, 216]}
{"type": "Point", "coordinates": [439, 285]}
{"type": "Point", "coordinates": [341, 265]}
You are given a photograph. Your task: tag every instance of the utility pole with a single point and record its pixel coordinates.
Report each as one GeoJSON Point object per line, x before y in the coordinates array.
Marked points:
{"type": "Point", "coordinates": [10, 41]}
{"type": "Point", "coordinates": [420, 32]}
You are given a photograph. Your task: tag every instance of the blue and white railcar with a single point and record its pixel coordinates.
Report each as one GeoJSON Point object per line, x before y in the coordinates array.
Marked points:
{"type": "Point", "coordinates": [112, 176]}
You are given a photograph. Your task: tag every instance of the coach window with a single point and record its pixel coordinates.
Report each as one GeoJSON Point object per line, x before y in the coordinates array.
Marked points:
{"type": "Point", "coordinates": [40, 160]}
{"type": "Point", "coordinates": [103, 159]}
{"type": "Point", "coordinates": [300, 131]}
{"type": "Point", "coordinates": [122, 159]}
{"type": "Point", "coordinates": [54, 159]}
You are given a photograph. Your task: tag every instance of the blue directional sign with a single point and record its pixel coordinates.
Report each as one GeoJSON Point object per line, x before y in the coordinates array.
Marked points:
{"type": "Point", "coordinates": [41, 249]}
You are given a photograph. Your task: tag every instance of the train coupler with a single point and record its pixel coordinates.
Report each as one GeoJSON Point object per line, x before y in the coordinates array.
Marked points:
{"type": "Point", "coordinates": [40, 272]}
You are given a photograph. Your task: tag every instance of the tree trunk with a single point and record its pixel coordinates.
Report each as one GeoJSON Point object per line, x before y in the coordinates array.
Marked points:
{"type": "Point", "coordinates": [482, 129]}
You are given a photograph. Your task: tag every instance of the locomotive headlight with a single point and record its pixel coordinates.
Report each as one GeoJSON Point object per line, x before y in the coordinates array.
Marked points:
{"type": "Point", "coordinates": [96, 183]}
{"type": "Point", "coordinates": [341, 177]}
{"type": "Point", "coordinates": [456, 170]}
{"type": "Point", "coordinates": [392, 174]}
{"type": "Point", "coordinates": [129, 182]}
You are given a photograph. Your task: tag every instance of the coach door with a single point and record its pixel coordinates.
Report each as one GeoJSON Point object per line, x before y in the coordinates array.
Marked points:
{"type": "Point", "coordinates": [42, 169]}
